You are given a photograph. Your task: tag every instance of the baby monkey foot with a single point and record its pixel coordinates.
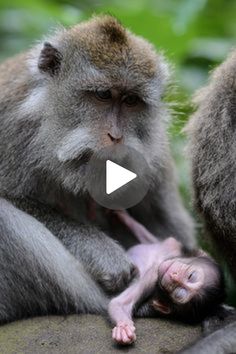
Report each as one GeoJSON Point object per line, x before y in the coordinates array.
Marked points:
{"type": "Point", "coordinates": [124, 333]}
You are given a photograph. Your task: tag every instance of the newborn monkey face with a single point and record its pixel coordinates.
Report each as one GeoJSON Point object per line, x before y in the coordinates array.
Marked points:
{"type": "Point", "coordinates": [184, 278]}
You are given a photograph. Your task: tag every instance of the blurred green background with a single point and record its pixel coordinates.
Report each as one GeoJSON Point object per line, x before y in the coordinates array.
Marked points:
{"type": "Point", "coordinates": [195, 36]}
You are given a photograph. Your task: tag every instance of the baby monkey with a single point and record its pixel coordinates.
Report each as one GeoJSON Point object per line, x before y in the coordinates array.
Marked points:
{"type": "Point", "coordinates": [171, 282]}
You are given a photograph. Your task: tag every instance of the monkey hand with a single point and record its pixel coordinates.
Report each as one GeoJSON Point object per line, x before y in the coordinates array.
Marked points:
{"type": "Point", "coordinates": [115, 271]}
{"type": "Point", "coordinates": [124, 333]}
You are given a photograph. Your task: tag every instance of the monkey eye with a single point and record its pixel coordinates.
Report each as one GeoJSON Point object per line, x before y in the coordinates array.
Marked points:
{"type": "Point", "coordinates": [192, 277]}
{"type": "Point", "coordinates": [131, 100]}
{"type": "Point", "coordinates": [103, 95]}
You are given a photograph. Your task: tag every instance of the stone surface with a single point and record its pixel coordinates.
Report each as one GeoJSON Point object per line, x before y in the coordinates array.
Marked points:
{"type": "Point", "coordinates": [89, 334]}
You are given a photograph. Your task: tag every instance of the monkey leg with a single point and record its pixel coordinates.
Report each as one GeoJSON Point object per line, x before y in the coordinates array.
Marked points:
{"type": "Point", "coordinates": [37, 274]}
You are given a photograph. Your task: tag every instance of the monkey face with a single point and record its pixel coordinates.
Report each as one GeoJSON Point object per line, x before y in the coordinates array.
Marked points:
{"type": "Point", "coordinates": [108, 111]}
{"type": "Point", "coordinates": [183, 278]}
{"type": "Point", "coordinates": [99, 86]}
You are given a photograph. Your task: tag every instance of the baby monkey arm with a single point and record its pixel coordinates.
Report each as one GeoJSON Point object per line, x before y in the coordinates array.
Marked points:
{"type": "Point", "coordinates": [121, 307]}
{"type": "Point", "coordinates": [139, 231]}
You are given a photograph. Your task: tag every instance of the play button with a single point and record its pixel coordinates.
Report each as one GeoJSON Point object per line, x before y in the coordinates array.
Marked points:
{"type": "Point", "coordinates": [118, 177]}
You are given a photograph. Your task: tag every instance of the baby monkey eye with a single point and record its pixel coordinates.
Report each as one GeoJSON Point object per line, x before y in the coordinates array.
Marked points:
{"type": "Point", "coordinates": [192, 277]}
{"type": "Point", "coordinates": [103, 94]}
{"type": "Point", "coordinates": [131, 100]}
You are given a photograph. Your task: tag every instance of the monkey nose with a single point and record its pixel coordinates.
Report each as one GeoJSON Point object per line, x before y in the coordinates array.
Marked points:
{"type": "Point", "coordinates": [175, 277]}
{"type": "Point", "coordinates": [115, 139]}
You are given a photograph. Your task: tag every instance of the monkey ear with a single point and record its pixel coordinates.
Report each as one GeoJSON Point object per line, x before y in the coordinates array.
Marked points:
{"type": "Point", "coordinates": [201, 253]}
{"type": "Point", "coordinates": [161, 307]}
{"type": "Point", "coordinates": [49, 59]}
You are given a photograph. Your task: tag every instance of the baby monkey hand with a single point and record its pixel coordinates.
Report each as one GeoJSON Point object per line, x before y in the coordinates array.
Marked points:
{"type": "Point", "coordinates": [124, 332]}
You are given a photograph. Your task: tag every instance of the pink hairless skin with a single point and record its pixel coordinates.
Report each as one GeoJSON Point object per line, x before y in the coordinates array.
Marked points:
{"type": "Point", "coordinates": [176, 283]}
{"type": "Point", "coordinates": [148, 257]}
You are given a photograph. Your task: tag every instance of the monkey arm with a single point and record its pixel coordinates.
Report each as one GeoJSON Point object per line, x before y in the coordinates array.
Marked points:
{"type": "Point", "coordinates": [162, 211]}
{"type": "Point", "coordinates": [101, 256]}
{"type": "Point", "coordinates": [38, 274]}
{"type": "Point", "coordinates": [121, 307]}
{"type": "Point", "coordinates": [139, 231]}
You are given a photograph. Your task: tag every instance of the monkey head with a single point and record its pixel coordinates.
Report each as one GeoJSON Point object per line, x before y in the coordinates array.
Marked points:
{"type": "Point", "coordinates": [190, 288]}
{"type": "Point", "coordinates": [96, 85]}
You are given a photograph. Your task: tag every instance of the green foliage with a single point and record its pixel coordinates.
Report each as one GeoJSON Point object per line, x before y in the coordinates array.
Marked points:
{"type": "Point", "coordinates": [195, 35]}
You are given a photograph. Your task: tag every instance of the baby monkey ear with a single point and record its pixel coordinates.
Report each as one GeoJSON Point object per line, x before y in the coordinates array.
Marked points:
{"type": "Point", "coordinates": [49, 59]}
{"type": "Point", "coordinates": [161, 307]}
{"type": "Point", "coordinates": [201, 253]}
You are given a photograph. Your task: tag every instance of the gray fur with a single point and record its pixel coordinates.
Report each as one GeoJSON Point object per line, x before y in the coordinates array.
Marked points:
{"type": "Point", "coordinates": [222, 341]}
{"type": "Point", "coordinates": [50, 125]}
{"type": "Point", "coordinates": [213, 152]}
{"type": "Point", "coordinates": [38, 275]}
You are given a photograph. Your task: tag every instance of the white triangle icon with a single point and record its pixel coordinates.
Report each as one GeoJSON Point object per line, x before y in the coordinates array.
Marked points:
{"type": "Point", "coordinates": [117, 176]}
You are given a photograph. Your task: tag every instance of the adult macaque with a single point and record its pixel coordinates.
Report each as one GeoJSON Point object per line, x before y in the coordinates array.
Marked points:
{"type": "Point", "coordinates": [186, 287]}
{"type": "Point", "coordinates": [212, 131]}
{"type": "Point", "coordinates": [85, 88]}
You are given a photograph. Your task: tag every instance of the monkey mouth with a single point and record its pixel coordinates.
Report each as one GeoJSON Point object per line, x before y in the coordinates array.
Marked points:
{"type": "Point", "coordinates": [86, 156]}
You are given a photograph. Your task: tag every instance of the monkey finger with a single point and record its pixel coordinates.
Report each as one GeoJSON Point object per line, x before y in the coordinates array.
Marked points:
{"type": "Point", "coordinates": [130, 332]}
{"type": "Point", "coordinates": [114, 331]}
{"type": "Point", "coordinates": [118, 334]}
{"type": "Point", "coordinates": [132, 337]}
{"type": "Point", "coordinates": [124, 337]}
{"type": "Point", "coordinates": [130, 326]}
